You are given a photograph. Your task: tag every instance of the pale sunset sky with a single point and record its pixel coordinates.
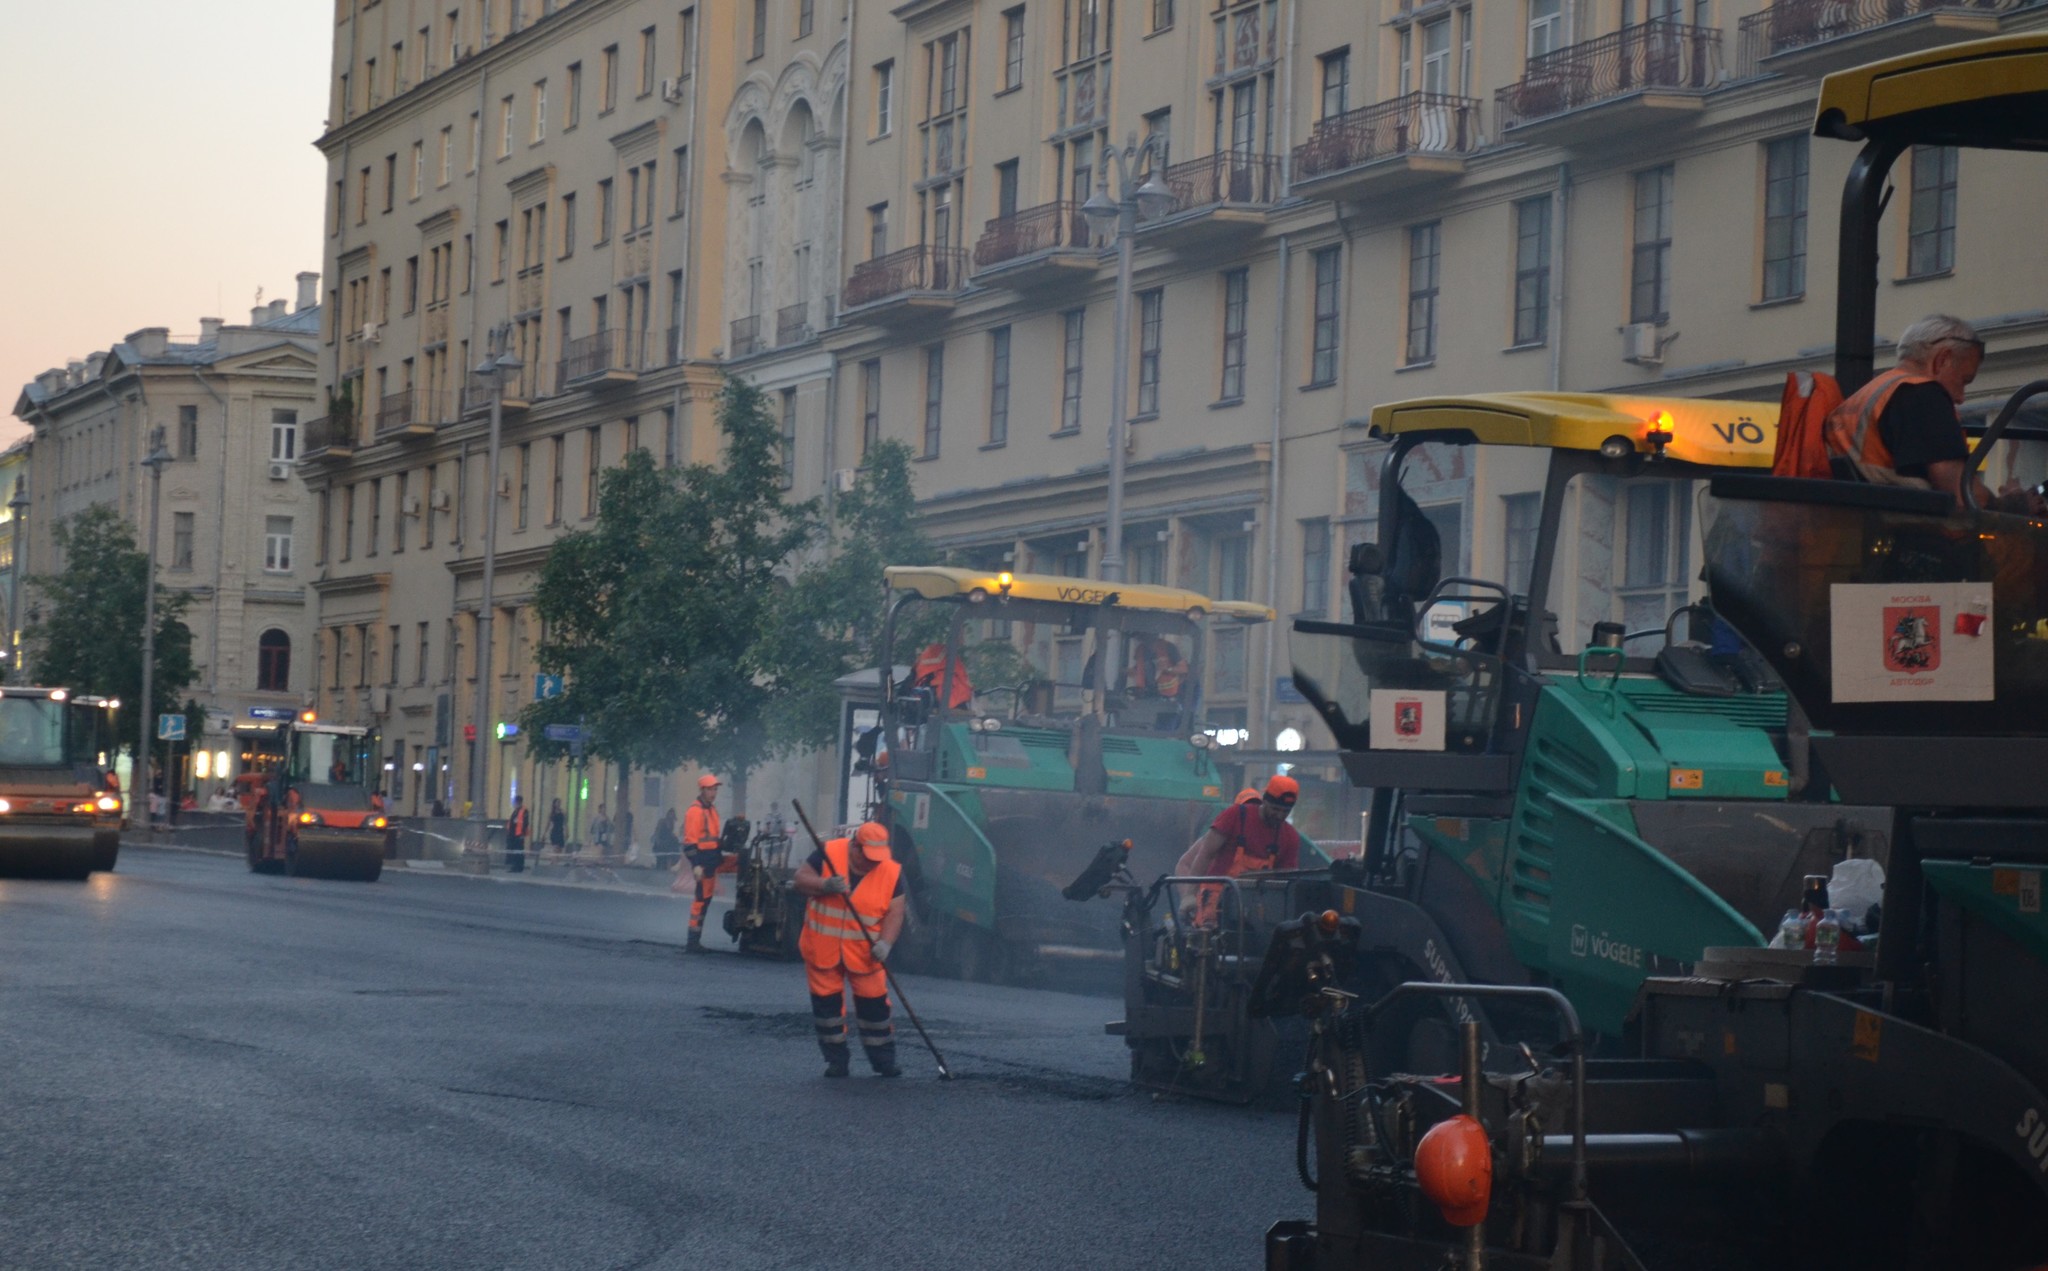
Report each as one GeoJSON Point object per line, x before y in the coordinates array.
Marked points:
{"type": "Point", "coordinates": [160, 168]}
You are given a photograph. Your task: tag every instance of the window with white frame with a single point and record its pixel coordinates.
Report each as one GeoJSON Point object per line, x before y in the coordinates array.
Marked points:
{"type": "Point", "coordinates": [1425, 254]}
{"type": "Point", "coordinates": [1151, 317]}
{"type": "Point", "coordinates": [999, 386]}
{"type": "Point", "coordinates": [1532, 271]}
{"type": "Point", "coordinates": [1236, 303]}
{"type": "Point", "coordinates": [1931, 220]}
{"type": "Point", "coordinates": [277, 544]}
{"type": "Point", "coordinates": [284, 435]}
{"type": "Point", "coordinates": [1071, 323]}
{"type": "Point", "coordinates": [1650, 273]}
{"type": "Point", "coordinates": [1785, 218]}
{"type": "Point", "coordinates": [1322, 367]}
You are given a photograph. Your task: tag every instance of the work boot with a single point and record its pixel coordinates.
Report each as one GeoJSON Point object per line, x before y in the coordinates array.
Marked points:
{"type": "Point", "coordinates": [836, 1057]}
{"type": "Point", "coordinates": [883, 1060]}
{"type": "Point", "coordinates": [695, 944]}
{"type": "Point", "coordinates": [836, 1068]}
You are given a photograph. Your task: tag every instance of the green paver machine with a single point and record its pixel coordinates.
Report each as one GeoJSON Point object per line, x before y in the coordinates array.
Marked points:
{"type": "Point", "coordinates": [999, 793]}
{"type": "Point", "coordinates": [1888, 1109]}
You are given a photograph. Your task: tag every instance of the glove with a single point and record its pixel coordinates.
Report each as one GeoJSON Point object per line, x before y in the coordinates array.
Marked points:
{"type": "Point", "coordinates": [836, 886]}
{"type": "Point", "coordinates": [882, 948]}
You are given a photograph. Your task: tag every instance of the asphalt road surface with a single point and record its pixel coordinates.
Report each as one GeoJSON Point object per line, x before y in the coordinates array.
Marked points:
{"type": "Point", "coordinates": [206, 1068]}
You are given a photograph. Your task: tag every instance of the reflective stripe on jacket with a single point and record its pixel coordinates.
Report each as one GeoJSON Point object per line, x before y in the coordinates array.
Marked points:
{"type": "Point", "coordinates": [1852, 434]}
{"type": "Point", "coordinates": [832, 935]}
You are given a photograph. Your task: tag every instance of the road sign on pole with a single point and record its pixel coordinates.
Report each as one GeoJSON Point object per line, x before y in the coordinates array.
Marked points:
{"type": "Point", "coordinates": [546, 686]}
{"type": "Point", "coordinates": [170, 728]}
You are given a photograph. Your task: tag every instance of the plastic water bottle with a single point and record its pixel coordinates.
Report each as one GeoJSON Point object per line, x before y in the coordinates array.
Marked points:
{"type": "Point", "coordinates": [1827, 937]}
{"type": "Point", "coordinates": [1792, 931]}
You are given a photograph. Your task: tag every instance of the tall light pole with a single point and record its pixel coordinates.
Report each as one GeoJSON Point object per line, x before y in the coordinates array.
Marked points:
{"type": "Point", "coordinates": [1120, 215]}
{"type": "Point", "coordinates": [495, 367]}
{"type": "Point", "coordinates": [17, 503]}
{"type": "Point", "coordinates": [154, 461]}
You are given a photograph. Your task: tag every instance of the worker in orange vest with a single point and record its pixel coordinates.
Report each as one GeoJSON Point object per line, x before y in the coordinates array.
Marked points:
{"type": "Point", "coordinates": [1901, 428]}
{"type": "Point", "coordinates": [515, 836]}
{"type": "Point", "coordinates": [701, 856]}
{"type": "Point", "coordinates": [932, 670]}
{"type": "Point", "coordinates": [1248, 836]}
{"type": "Point", "coordinates": [856, 896]}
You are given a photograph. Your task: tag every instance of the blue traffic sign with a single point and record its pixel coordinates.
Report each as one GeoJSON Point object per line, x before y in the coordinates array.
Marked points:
{"type": "Point", "coordinates": [546, 686]}
{"type": "Point", "coordinates": [272, 712]}
{"type": "Point", "coordinates": [170, 728]}
{"type": "Point", "coordinates": [563, 732]}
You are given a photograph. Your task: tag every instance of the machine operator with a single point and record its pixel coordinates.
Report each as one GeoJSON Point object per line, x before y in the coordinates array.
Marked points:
{"type": "Point", "coordinates": [854, 916]}
{"type": "Point", "coordinates": [1901, 428]}
{"type": "Point", "coordinates": [1245, 837]}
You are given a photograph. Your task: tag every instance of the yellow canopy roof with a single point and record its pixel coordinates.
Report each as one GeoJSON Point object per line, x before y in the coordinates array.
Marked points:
{"type": "Point", "coordinates": [1985, 93]}
{"type": "Point", "coordinates": [1725, 434]}
{"type": "Point", "coordinates": [936, 582]}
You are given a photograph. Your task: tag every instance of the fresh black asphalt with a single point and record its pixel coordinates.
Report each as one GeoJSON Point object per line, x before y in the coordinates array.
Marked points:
{"type": "Point", "coordinates": [203, 1068]}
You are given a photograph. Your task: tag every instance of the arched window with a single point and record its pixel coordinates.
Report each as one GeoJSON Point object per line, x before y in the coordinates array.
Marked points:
{"type": "Point", "coordinates": [273, 661]}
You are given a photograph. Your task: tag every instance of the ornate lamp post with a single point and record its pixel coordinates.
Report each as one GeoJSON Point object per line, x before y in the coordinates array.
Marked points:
{"type": "Point", "coordinates": [495, 367]}
{"type": "Point", "coordinates": [155, 460]}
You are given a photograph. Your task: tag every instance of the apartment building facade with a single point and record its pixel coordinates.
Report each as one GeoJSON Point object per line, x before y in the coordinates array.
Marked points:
{"type": "Point", "coordinates": [1371, 202]}
{"type": "Point", "coordinates": [625, 195]}
{"type": "Point", "coordinates": [235, 516]}
{"type": "Point", "coordinates": [875, 213]}
{"type": "Point", "coordinates": [13, 541]}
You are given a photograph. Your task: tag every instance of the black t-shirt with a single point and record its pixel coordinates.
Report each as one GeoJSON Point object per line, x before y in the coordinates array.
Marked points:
{"type": "Point", "coordinates": [1919, 427]}
{"type": "Point", "coordinates": [817, 864]}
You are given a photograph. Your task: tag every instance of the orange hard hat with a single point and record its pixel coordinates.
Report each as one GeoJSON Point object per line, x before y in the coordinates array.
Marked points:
{"type": "Point", "coordinates": [707, 782]}
{"type": "Point", "coordinates": [1454, 1165]}
{"type": "Point", "coordinates": [1283, 789]}
{"type": "Point", "coordinates": [1250, 794]}
{"type": "Point", "coordinates": [873, 838]}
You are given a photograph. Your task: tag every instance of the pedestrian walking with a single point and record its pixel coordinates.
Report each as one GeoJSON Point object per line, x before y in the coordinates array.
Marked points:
{"type": "Point", "coordinates": [557, 828]}
{"type": "Point", "coordinates": [701, 830]}
{"type": "Point", "coordinates": [856, 897]}
{"type": "Point", "coordinates": [515, 836]}
{"type": "Point", "coordinates": [668, 849]}
{"type": "Point", "coordinates": [601, 832]}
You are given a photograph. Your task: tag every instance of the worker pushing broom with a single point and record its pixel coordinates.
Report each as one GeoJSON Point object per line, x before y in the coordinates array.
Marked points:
{"type": "Point", "coordinates": [853, 918]}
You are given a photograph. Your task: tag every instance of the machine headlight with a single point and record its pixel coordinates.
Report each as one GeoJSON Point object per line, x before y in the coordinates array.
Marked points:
{"type": "Point", "coordinates": [5, 806]}
{"type": "Point", "coordinates": [309, 818]}
{"type": "Point", "coordinates": [378, 823]}
{"type": "Point", "coordinates": [108, 803]}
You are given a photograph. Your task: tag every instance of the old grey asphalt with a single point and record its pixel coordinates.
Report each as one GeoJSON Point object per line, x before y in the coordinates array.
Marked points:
{"type": "Point", "coordinates": [204, 1068]}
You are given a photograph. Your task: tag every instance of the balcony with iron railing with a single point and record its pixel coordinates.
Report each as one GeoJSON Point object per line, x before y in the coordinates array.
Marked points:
{"type": "Point", "coordinates": [1220, 196]}
{"type": "Point", "coordinates": [413, 412]}
{"type": "Point", "coordinates": [746, 337]}
{"type": "Point", "coordinates": [1818, 36]}
{"type": "Point", "coordinates": [793, 325]}
{"type": "Point", "coordinates": [522, 389]}
{"type": "Point", "coordinates": [1411, 140]}
{"type": "Point", "coordinates": [328, 437]}
{"type": "Point", "coordinates": [911, 285]}
{"type": "Point", "coordinates": [1636, 77]}
{"type": "Point", "coordinates": [600, 360]}
{"type": "Point", "coordinates": [1036, 247]}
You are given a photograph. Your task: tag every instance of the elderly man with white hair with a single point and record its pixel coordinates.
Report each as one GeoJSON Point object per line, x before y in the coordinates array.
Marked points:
{"type": "Point", "coordinates": [1902, 429]}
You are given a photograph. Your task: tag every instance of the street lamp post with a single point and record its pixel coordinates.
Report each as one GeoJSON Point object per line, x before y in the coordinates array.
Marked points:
{"type": "Point", "coordinates": [18, 505]}
{"type": "Point", "coordinates": [1120, 215]}
{"type": "Point", "coordinates": [154, 461]}
{"type": "Point", "coordinates": [495, 368]}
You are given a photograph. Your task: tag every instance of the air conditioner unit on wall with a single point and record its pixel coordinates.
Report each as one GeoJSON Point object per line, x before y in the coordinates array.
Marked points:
{"type": "Point", "coordinates": [842, 480]}
{"type": "Point", "coordinates": [372, 332]}
{"type": "Point", "coordinates": [411, 506]}
{"type": "Point", "coordinates": [280, 470]}
{"type": "Point", "coordinates": [672, 91]}
{"type": "Point", "coordinates": [1640, 345]}
{"type": "Point", "coordinates": [441, 500]}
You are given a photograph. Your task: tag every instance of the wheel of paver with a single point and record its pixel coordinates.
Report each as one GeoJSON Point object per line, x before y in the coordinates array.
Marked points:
{"type": "Point", "coordinates": [302, 862]}
{"type": "Point", "coordinates": [104, 856]}
{"type": "Point", "coordinates": [970, 953]}
{"type": "Point", "coordinates": [252, 847]}
{"type": "Point", "coordinates": [369, 868]}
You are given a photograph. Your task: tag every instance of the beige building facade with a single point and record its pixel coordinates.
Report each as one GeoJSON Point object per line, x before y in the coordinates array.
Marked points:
{"type": "Point", "coordinates": [235, 519]}
{"type": "Point", "coordinates": [875, 213]}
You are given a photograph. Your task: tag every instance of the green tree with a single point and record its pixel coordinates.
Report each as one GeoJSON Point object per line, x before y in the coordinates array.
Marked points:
{"type": "Point", "coordinates": [828, 621]}
{"type": "Point", "coordinates": [91, 639]}
{"type": "Point", "coordinates": [654, 615]}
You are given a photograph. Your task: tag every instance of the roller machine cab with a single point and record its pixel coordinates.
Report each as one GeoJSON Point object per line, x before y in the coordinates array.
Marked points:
{"type": "Point", "coordinates": [319, 813]}
{"type": "Point", "coordinates": [60, 806]}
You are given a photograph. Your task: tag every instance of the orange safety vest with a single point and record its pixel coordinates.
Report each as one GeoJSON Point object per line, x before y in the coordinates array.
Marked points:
{"type": "Point", "coordinates": [1244, 860]}
{"type": "Point", "coordinates": [832, 935]}
{"type": "Point", "coordinates": [700, 828]}
{"type": "Point", "coordinates": [1852, 433]}
{"type": "Point", "coordinates": [519, 821]}
{"type": "Point", "coordinates": [1158, 666]}
{"type": "Point", "coordinates": [929, 671]}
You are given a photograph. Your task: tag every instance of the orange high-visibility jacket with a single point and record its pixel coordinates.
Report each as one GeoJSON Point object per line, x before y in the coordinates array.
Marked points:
{"type": "Point", "coordinates": [700, 828]}
{"type": "Point", "coordinates": [832, 935]}
{"type": "Point", "coordinates": [1852, 431]}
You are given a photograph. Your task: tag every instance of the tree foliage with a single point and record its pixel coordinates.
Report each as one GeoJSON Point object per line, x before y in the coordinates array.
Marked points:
{"type": "Point", "coordinates": [828, 622]}
{"type": "Point", "coordinates": [90, 641]}
{"type": "Point", "coordinates": [655, 614]}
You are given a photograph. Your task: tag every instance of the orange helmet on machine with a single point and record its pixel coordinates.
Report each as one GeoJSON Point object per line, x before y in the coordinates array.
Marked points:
{"type": "Point", "coordinates": [1283, 789]}
{"type": "Point", "coordinates": [1454, 1166]}
{"type": "Point", "coordinates": [873, 840]}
